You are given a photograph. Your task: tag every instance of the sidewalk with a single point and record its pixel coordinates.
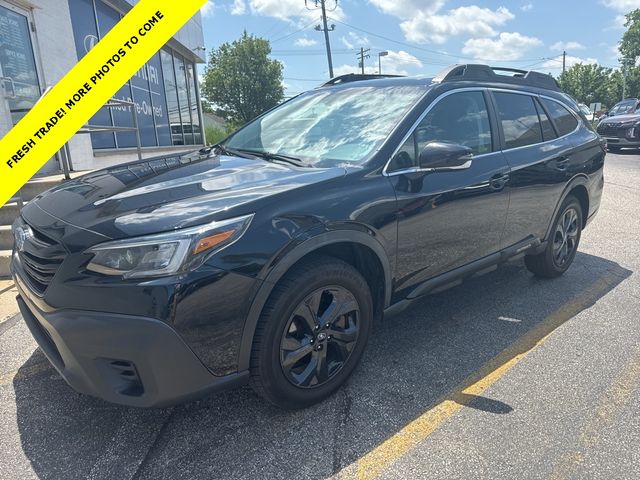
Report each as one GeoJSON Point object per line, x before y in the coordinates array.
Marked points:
{"type": "Point", "coordinates": [8, 305]}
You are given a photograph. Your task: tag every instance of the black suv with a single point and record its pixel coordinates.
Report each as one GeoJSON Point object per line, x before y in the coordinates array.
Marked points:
{"type": "Point", "coordinates": [267, 259]}
{"type": "Point", "coordinates": [621, 127]}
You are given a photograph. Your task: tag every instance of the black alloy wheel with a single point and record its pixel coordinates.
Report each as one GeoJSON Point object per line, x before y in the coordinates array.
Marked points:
{"type": "Point", "coordinates": [565, 239]}
{"type": "Point", "coordinates": [562, 244]}
{"type": "Point", "coordinates": [311, 333]}
{"type": "Point", "coordinates": [319, 337]}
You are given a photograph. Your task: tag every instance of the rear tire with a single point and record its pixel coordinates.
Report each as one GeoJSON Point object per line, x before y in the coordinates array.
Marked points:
{"type": "Point", "coordinates": [562, 243]}
{"type": "Point", "coordinates": [311, 333]}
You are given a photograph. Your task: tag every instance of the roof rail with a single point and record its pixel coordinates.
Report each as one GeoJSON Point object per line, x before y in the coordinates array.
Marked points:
{"type": "Point", "coordinates": [476, 72]}
{"type": "Point", "coordinates": [355, 77]}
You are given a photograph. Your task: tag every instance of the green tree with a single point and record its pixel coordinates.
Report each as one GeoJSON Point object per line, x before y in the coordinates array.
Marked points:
{"type": "Point", "coordinates": [241, 81]}
{"type": "Point", "coordinates": [630, 44]}
{"type": "Point", "coordinates": [587, 83]}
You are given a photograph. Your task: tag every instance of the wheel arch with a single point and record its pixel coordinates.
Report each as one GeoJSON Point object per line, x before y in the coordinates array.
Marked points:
{"type": "Point", "coordinates": [355, 247]}
{"type": "Point", "coordinates": [579, 187]}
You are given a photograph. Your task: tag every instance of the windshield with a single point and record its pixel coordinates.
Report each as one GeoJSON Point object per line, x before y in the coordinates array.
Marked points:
{"type": "Point", "coordinates": [329, 127]}
{"type": "Point", "coordinates": [623, 107]}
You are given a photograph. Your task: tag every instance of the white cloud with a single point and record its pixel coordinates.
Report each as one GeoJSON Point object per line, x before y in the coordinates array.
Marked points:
{"type": "Point", "coordinates": [207, 9]}
{"type": "Point", "coordinates": [556, 64]}
{"type": "Point", "coordinates": [560, 46]}
{"type": "Point", "coordinates": [239, 7]}
{"type": "Point", "coordinates": [395, 63]}
{"type": "Point", "coordinates": [353, 40]}
{"type": "Point", "coordinates": [527, 7]}
{"type": "Point", "coordinates": [506, 46]}
{"type": "Point", "coordinates": [473, 21]}
{"type": "Point", "coordinates": [622, 6]}
{"type": "Point", "coordinates": [423, 21]}
{"type": "Point", "coordinates": [290, 10]}
{"type": "Point", "coordinates": [406, 9]}
{"type": "Point", "coordinates": [305, 42]}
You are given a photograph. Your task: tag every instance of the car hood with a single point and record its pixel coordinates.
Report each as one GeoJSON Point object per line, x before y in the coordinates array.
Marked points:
{"type": "Point", "coordinates": [167, 193]}
{"type": "Point", "coordinates": [629, 117]}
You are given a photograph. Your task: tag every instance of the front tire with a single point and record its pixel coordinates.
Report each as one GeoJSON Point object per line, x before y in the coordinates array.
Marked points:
{"type": "Point", "coordinates": [311, 333]}
{"type": "Point", "coordinates": [562, 244]}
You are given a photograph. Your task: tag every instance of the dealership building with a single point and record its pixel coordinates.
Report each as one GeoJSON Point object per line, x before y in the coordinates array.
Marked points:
{"type": "Point", "coordinates": [41, 40]}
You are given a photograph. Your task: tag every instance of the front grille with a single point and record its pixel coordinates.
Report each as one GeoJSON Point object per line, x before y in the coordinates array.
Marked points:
{"type": "Point", "coordinates": [610, 129]}
{"type": "Point", "coordinates": [39, 270]}
{"type": "Point", "coordinates": [40, 258]}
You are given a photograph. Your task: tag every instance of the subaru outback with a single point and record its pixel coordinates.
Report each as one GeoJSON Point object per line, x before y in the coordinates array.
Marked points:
{"type": "Point", "coordinates": [267, 258]}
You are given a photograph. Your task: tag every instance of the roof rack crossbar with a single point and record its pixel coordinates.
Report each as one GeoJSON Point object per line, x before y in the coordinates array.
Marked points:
{"type": "Point", "coordinates": [355, 77]}
{"type": "Point", "coordinates": [477, 72]}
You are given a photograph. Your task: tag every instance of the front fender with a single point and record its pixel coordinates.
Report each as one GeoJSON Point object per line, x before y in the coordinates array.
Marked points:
{"type": "Point", "coordinates": [311, 241]}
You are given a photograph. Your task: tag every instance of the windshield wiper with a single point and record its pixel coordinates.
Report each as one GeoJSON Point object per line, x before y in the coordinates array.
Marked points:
{"type": "Point", "coordinates": [232, 151]}
{"type": "Point", "coordinates": [278, 157]}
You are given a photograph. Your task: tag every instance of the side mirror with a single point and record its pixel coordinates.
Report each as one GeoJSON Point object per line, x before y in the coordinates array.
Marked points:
{"type": "Point", "coordinates": [445, 155]}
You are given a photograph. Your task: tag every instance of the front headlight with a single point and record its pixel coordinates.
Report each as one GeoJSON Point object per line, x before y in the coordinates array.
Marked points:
{"type": "Point", "coordinates": [166, 253]}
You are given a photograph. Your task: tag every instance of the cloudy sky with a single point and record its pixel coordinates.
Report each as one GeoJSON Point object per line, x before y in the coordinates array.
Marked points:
{"type": "Point", "coordinates": [423, 36]}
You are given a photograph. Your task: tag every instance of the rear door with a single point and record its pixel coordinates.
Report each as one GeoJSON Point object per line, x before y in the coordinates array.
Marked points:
{"type": "Point", "coordinates": [448, 218]}
{"type": "Point", "coordinates": [540, 156]}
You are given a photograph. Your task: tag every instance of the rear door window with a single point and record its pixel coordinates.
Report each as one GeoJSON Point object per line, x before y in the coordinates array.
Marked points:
{"type": "Point", "coordinates": [519, 119]}
{"type": "Point", "coordinates": [565, 122]}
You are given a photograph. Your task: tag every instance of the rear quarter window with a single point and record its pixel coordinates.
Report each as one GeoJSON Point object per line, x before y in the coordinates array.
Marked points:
{"type": "Point", "coordinates": [563, 119]}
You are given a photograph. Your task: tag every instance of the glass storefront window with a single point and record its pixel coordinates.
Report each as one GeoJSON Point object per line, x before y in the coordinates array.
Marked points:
{"type": "Point", "coordinates": [194, 101]}
{"type": "Point", "coordinates": [164, 91]}
{"type": "Point", "coordinates": [183, 99]}
{"type": "Point", "coordinates": [171, 90]}
{"type": "Point", "coordinates": [17, 62]}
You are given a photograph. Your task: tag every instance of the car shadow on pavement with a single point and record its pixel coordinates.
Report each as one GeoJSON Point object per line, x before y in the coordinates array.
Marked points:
{"type": "Point", "coordinates": [428, 353]}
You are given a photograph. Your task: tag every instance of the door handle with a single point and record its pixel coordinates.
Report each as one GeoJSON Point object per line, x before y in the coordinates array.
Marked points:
{"type": "Point", "coordinates": [499, 180]}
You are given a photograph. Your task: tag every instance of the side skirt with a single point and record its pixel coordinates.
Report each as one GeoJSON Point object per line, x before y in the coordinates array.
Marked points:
{"type": "Point", "coordinates": [455, 277]}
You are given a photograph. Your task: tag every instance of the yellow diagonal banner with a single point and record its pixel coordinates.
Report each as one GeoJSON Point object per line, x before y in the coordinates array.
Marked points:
{"type": "Point", "coordinates": [87, 87]}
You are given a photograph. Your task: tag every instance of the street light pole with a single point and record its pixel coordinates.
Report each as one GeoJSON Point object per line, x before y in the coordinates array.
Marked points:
{"type": "Point", "coordinates": [380, 55]}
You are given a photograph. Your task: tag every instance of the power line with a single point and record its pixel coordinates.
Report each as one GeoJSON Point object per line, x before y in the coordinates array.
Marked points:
{"type": "Point", "coordinates": [292, 33]}
{"type": "Point", "coordinates": [408, 45]}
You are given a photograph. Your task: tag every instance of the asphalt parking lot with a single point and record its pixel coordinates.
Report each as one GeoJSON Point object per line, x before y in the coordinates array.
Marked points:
{"type": "Point", "coordinates": [506, 376]}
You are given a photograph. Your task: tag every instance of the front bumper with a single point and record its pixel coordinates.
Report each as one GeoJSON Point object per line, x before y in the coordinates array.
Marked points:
{"type": "Point", "coordinates": [622, 142]}
{"type": "Point", "coordinates": [123, 359]}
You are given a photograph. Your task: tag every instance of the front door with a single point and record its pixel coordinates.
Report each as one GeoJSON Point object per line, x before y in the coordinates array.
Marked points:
{"type": "Point", "coordinates": [19, 79]}
{"type": "Point", "coordinates": [448, 218]}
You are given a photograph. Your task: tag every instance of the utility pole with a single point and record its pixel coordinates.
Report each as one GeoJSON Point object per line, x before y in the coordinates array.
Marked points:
{"type": "Point", "coordinates": [626, 63]}
{"type": "Point", "coordinates": [324, 28]}
{"type": "Point", "coordinates": [361, 56]}
{"type": "Point", "coordinates": [564, 61]}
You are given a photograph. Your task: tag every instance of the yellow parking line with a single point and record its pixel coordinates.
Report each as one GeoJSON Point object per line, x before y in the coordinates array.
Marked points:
{"type": "Point", "coordinates": [610, 405]}
{"type": "Point", "coordinates": [373, 463]}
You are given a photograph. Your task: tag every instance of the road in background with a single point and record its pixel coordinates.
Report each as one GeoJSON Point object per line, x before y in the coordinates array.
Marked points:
{"type": "Point", "coordinates": [506, 376]}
